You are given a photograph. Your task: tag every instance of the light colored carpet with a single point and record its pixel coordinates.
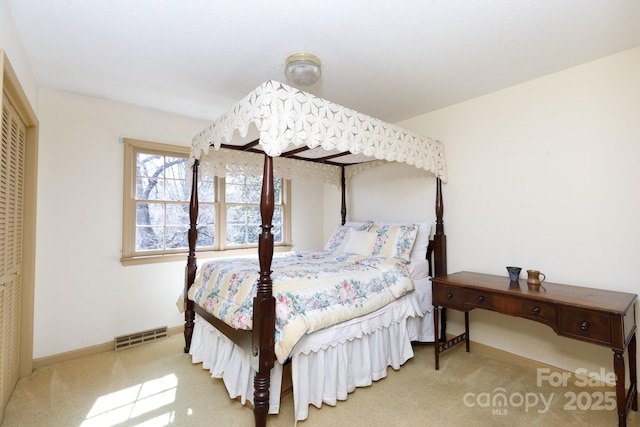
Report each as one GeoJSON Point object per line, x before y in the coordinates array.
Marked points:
{"type": "Point", "coordinates": [157, 385]}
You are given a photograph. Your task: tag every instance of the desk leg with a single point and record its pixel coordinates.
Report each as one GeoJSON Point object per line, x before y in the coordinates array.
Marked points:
{"type": "Point", "coordinates": [436, 341]}
{"type": "Point", "coordinates": [443, 324]}
{"type": "Point", "coordinates": [633, 374]}
{"type": "Point", "coordinates": [442, 344]}
{"type": "Point", "coordinates": [626, 401]}
{"type": "Point", "coordinates": [466, 329]}
{"type": "Point", "coordinates": [621, 399]}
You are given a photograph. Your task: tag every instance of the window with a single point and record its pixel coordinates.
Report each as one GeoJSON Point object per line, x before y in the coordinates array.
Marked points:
{"type": "Point", "coordinates": [156, 207]}
{"type": "Point", "coordinates": [242, 202]}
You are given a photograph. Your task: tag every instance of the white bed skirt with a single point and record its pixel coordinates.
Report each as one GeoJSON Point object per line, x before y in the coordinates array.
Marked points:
{"type": "Point", "coordinates": [327, 365]}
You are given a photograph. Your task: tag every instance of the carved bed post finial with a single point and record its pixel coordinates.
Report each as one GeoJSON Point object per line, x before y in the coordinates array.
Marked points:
{"type": "Point", "coordinates": [264, 307]}
{"type": "Point", "coordinates": [190, 270]}
{"type": "Point", "coordinates": [343, 209]}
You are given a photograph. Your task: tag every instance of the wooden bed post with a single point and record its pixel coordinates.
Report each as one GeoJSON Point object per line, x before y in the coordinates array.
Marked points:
{"type": "Point", "coordinates": [440, 258]}
{"type": "Point", "coordinates": [190, 270]}
{"type": "Point", "coordinates": [343, 209]}
{"type": "Point", "coordinates": [264, 304]}
{"type": "Point", "coordinates": [440, 238]}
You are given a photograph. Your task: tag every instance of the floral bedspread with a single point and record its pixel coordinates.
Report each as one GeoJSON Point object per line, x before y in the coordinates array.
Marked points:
{"type": "Point", "coordinates": [313, 290]}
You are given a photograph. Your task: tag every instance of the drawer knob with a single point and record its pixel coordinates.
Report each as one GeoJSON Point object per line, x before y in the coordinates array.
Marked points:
{"type": "Point", "coordinates": [536, 311]}
{"type": "Point", "coordinates": [584, 325]}
{"type": "Point", "coordinates": [449, 295]}
{"type": "Point", "coordinates": [480, 298]}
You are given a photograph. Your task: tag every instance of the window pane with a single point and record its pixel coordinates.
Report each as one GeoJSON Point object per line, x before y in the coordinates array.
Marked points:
{"type": "Point", "coordinates": [177, 214]}
{"type": "Point", "coordinates": [254, 180]}
{"type": "Point", "coordinates": [161, 178]}
{"type": "Point", "coordinates": [149, 165]}
{"type": "Point", "coordinates": [149, 238]}
{"type": "Point", "coordinates": [205, 236]}
{"type": "Point", "coordinates": [234, 179]}
{"type": "Point", "coordinates": [253, 215]}
{"type": "Point", "coordinates": [277, 191]}
{"type": "Point", "coordinates": [149, 189]}
{"type": "Point", "coordinates": [253, 231]}
{"type": "Point", "coordinates": [277, 215]}
{"type": "Point", "coordinates": [253, 193]}
{"type": "Point", "coordinates": [277, 233]}
{"type": "Point", "coordinates": [234, 193]}
{"type": "Point", "coordinates": [206, 226]}
{"type": "Point", "coordinates": [175, 168]}
{"type": "Point", "coordinates": [177, 237]}
{"type": "Point", "coordinates": [149, 214]}
{"type": "Point", "coordinates": [206, 191]}
{"type": "Point", "coordinates": [236, 234]}
{"type": "Point", "coordinates": [236, 215]}
{"type": "Point", "coordinates": [177, 190]}
{"type": "Point", "coordinates": [207, 215]}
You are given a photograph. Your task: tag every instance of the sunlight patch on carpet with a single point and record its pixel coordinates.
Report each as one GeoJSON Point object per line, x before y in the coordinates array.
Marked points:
{"type": "Point", "coordinates": [141, 400]}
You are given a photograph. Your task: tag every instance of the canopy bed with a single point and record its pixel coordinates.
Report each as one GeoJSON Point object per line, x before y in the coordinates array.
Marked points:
{"type": "Point", "coordinates": [280, 131]}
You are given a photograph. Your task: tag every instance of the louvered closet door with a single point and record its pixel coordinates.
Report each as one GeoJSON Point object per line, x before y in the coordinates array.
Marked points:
{"type": "Point", "coordinates": [11, 223]}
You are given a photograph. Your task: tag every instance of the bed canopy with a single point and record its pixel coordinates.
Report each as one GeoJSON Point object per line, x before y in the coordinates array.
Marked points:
{"type": "Point", "coordinates": [297, 127]}
{"type": "Point", "coordinates": [281, 132]}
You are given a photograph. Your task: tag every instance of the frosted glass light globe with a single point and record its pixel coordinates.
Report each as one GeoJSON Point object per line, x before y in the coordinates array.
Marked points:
{"type": "Point", "coordinates": [302, 69]}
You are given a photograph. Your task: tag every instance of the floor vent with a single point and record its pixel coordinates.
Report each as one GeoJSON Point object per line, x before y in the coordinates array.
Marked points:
{"type": "Point", "coordinates": [138, 338]}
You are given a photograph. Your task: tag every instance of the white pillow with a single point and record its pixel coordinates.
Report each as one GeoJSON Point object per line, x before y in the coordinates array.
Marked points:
{"type": "Point", "coordinates": [422, 241]}
{"type": "Point", "coordinates": [340, 235]}
{"type": "Point", "coordinates": [360, 242]}
{"type": "Point", "coordinates": [394, 240]}
{"type": "Point", "coordinates": [419, 250]}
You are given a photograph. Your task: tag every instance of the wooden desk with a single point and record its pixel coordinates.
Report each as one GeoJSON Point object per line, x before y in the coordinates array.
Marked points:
{"type": "Point", "coordinates": [593, 315]}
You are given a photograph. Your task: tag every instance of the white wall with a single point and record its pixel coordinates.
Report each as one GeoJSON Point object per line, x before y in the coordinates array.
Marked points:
{"type": "Point", "coordinates": [10, 42]}
{"type": "Point", "coordinates": [394, 192]}
{"type": "Point", "coordinates": [307, 215]}
{"type": "Point", "coordinates": [84, 296]}
{"type": "Point", "coordinates": [545, 175]}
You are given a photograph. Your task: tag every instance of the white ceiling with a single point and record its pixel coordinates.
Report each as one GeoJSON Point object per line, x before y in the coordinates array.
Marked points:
{"type": "Point", "coordinates": [388, 59]}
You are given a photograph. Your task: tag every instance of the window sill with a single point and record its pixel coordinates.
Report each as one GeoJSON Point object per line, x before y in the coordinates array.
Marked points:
{"type": "Point", "coordinates": [243, 252]}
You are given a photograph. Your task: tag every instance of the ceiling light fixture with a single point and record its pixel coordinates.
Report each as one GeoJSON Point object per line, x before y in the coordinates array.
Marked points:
{"type": "Point", "coordinates": [302, 69]}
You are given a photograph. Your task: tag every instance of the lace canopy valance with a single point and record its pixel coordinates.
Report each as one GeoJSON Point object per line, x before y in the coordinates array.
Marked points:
{"type": "Point", "coordinates": [285, 118]}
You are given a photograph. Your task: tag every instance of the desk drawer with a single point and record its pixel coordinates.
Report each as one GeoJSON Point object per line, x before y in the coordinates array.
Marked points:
{"type": "Point", "coordinates": [506, 304]}
{"type": "Point", "coordinates": [448, 296]}
{"type": "Point", "coordinates": [584, 325]}
{"type": "Point", "coordinates": [541, 312]}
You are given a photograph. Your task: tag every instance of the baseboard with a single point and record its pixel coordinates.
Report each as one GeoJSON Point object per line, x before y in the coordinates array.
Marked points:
{"type": "Point", "coordinates": [88, 351]}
